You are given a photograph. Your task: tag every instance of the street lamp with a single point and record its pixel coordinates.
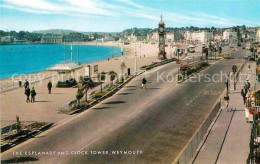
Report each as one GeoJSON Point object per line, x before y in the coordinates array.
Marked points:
{"type": "Point", "coordinates": [135, 58]}
{"type": "Point", "coordinates": [234, 68]}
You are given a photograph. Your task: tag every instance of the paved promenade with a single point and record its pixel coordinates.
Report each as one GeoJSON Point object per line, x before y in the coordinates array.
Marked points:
{"type": "Point", "coordinates": [228, 140]}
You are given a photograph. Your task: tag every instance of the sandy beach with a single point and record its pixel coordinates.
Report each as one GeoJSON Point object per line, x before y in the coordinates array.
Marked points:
{"type": "Point", "coordinates": [146, 54]}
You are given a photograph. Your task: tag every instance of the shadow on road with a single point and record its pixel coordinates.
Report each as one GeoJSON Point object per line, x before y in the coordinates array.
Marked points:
{"type": "Point", "coordinates": [43, 101]}
{"type": "Point", "coordinates": [100, 108]}
{"type": "Point", "coordinates": [124, 93]}
{"type": "Point", "coordinates": [115, 102]}
{"type": "Point", "coordinates": [130, 86]}
{"type": "Point", "coordinates": [152, 88]}
{"type": "Point", "coordinates": [19, 160]}
{"type": "Point", "coordinates": [129, 89]}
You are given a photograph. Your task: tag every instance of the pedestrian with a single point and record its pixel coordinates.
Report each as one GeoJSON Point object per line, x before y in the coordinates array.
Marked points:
{"type": "Point", "coordinates": [20, 83]}
{"type": "Point", "coordinates": [247, 84]}
{"type": "Point", "coordinates": [227, 84]}
{"type": "Point", "coordinates": [27, 93]}
{"type": "Point", "coordinates": [144, 81]}
{"type": "Point", "coordinates": [243, 94]}
{"type": "Point", "coordinates": [249, 70]}
{"type": "Point", "coordinates": [33, 94]}
{"type": "Point", "coordinates": [26, 85]}
{"type": "Point", "coordinates": [49, 86]}
{"type": "Point", "coordinates": [226, 98]}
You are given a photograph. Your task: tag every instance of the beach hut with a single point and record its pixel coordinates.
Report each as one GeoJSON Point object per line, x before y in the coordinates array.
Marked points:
{"type": "Point", "coordinates": [65, 69]}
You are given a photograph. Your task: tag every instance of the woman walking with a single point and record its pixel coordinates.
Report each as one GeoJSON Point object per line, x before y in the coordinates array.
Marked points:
{"type": "Point", "coordinates": [226, 98]}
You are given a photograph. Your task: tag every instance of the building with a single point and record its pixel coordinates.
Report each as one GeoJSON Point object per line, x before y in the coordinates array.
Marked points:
{"type": "Point", "coordinates": [177, 36]}
{"type": "Point", "coordinates": [230, 35]}
{"type": "Point", "coordinates": [199, 36]}
{"type": "Point", "coordinates": [7, 39]}
{"type": "Point", "coordinates": [72, 37]}
{"type": "Point", "coordinates": [258, 35]}
{"type": "Point", "coordinates": [155, 37]}
{"type": "Point", "coordinates": [249, 36]}
{"type": "Point", "coordinates": [169, 37]}
{"type": "Point", "coordinates": [50, 38]}
{"type": "Point", "coordinates": [75, 37]}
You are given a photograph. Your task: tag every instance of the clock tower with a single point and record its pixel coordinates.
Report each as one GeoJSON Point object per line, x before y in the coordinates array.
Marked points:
{"type": "Point", "coordinates": [161, 33]}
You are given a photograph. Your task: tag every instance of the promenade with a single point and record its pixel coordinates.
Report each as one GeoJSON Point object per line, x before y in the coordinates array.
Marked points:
{"type": "Point", "coordinates": [47, 106]}
{"type": "Point", "coordinates": [229, 137]}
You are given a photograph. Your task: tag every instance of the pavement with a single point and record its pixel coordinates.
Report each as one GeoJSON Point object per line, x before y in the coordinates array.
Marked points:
{"type": "Point", "coordinates": [228, 140]}
{"type": "Point", "coordinates": [157, 122]}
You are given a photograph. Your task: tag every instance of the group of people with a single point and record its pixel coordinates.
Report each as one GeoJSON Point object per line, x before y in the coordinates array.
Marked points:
{"type": "Point", "coordinates": [244, 91]}
{"type": "Point", "coordinates": [31, 92]}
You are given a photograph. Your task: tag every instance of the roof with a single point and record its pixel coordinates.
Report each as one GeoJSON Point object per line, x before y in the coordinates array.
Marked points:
{"type": "Point", "coordinates": [64, 67]}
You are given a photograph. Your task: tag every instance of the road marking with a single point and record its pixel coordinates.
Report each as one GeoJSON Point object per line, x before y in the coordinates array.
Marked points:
{"type": "Point", "coordinates": [89, 144]}
{"type": "Point", "coordinates": [117, 126]}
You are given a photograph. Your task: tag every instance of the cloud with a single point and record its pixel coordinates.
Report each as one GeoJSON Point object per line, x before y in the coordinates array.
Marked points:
{"type": "Point", "coordinates": [124, 9]}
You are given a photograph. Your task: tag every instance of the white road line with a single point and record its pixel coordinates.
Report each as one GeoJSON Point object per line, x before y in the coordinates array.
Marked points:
{"type": "Point", "coordinates": [117, 126]}
{"type": "Point", "coordinates": [89, 144]}
{"type": "Point", "coordinates": [131, 114]}
{"type": "Point", "coordinates": [136, 113]}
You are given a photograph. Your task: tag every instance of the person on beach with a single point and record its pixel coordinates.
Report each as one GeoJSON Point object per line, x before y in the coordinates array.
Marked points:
{"type": "Point", "coordinates": [49, 86]}
{"type": "Point", "coordinates": [243, 94]}
{"type": "Point", "coordinates": [226, 98]}
{"type": "Point", "coordinates": [26, 85]}
{"type": "Point", "coordinates": [27, 93]}
{"type": "Point", "coordinates": [33, 94]}
{"type": "Point", "coordinates": [144, 81]}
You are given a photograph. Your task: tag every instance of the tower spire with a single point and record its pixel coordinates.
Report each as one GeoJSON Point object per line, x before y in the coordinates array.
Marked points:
{"type": "Point", "coordinates": [161, 16]}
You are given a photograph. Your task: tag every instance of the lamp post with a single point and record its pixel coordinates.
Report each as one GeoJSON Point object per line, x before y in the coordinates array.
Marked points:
{"type": "Point", "coordinates": [135, 59]}
{"type": "Point", "coordinates": [234, 68]}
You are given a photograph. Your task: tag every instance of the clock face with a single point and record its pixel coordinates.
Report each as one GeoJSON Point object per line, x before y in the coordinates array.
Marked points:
{"type": "Point", "coordinates": [161, 29]}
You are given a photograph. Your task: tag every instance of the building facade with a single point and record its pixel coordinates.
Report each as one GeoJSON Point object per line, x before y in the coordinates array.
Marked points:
{"type": "Point", "coordinates": [230, 36]}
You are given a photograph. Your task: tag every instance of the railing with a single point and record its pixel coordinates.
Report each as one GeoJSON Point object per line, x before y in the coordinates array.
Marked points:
{"type": "Point", "coordinates": [6, 86]}
{"type": "Point", "coordinates": [191, 149]}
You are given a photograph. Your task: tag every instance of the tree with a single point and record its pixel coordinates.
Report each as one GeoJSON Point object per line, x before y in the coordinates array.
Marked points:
{"type": "Point", "coordinates": [113, 75]}
{"type": "Point", "coordinates": [79, 96]}
{"type": "Point", "coordinates": [85, 83]}
{"type": "Point", "coordinates": [101, 77]}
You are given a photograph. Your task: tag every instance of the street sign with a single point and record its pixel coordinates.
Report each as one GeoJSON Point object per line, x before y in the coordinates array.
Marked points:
{"type": "Point", "coordinates": [178, 61]}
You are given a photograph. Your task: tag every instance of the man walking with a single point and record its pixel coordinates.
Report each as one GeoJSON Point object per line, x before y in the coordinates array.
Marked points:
{"type": "Point", "coordinates": [49, 86]}
{"type": "Point", "coordinates": [247, 85]}
{"type": "Point", "coordinates": [144, 81]}
{"type": "Point", "coordinates": [26, 85]}
{"type": "Point", "coordinates": [227, 84]}
{"type": "Point", "coordinates": [243, 94]}
{"type": "Point", "coordinates": [226, 98]}
{"type": "Point", "coordinates": [27, 93]}
{"type": "Point", "coordinates": [33, 94]}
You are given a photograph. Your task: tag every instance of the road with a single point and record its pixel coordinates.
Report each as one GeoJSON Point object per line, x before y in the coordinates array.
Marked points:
{"type": "Point", "coordinates": [156, 123]}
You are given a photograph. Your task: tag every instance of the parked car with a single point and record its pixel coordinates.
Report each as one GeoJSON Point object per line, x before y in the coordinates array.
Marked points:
{"type": "Point", "coordinates": [66, 84]}
{"type": "Point", "coordinates": [184, 67]}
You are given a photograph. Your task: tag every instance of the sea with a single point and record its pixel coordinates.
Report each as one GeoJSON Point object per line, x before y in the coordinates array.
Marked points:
{"type": "Point", "coordinates": [31, 58]}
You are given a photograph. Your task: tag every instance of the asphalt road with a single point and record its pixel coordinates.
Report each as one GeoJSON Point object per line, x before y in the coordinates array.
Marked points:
{"type": "Point", "coordinates": [155, 123]}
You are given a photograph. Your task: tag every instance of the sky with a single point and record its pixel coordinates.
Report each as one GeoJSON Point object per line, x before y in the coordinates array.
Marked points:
{"type": "Point", "coordinates": [117, 15]}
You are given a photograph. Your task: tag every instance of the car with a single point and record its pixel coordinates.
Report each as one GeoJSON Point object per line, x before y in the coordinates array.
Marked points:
{"type": "Point", "coordinates": [67, 83]}
{"type": "Point", "coordinates": [248, 57]}
{"type": "Point", "coordinates": [184, 67]}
